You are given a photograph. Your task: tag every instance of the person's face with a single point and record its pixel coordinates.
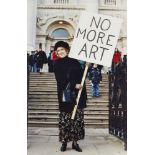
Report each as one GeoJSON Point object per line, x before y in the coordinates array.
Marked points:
{"type": "Point", "coordinates": [116, 49]}
{"type": "Point", "coordinates": [61, 52]}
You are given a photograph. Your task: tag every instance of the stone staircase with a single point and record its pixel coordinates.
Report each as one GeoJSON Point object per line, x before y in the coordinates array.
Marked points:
{"type": "Point", "coordinates": [43, 103]}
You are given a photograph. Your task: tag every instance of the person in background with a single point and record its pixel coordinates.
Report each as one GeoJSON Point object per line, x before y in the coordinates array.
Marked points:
{"type": "Point", "coordinates": [41, 60]}
{"type": "Point", "coordinates": [100, 67]}
{"type": "Point", "coordinates": [116, 59]}
{"type": "Point", "coordinates": [54, 57]}
{"type": "Point", "coordinates": [95, 76]}
{"type": "Point", "coordinates": [50, 62]}
{"type": "Point", "coordinates": [28, 63]}
{"type": "Point", "coordinates": [68, 70]}
{"type": "Point", "coordinates": [33, 62]}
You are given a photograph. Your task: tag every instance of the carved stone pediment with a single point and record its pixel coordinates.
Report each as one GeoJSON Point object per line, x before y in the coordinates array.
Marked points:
{"type": "Point", "coordinates": [41, 21]}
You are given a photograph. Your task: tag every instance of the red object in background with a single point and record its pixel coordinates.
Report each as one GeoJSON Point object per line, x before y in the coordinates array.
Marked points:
{"type": "Point", "coordinates": [116, 57]}
{"type": "Point", "coordinates": [54, 56]}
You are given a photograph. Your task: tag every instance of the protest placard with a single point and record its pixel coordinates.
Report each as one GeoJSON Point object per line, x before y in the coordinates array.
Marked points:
{"type": "Point", "coordinates": [95, 38]}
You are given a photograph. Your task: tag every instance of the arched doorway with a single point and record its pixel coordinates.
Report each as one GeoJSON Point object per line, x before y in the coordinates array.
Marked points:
{"type": "Point", "coordinates": [59, 30]}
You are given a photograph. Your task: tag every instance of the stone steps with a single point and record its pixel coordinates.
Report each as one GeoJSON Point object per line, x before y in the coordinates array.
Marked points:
{"type": "Point", "coordinates": [41, 84]}
{"type": "Point", "coordinates": [56, 101]}
{"type": "Point", "coordinates": [89, 119]}
{"type": "Point", "coordinates": [47, 113]}
{"type": "Point", "coordinates": [41, 96]}
{"type": "Point", "coordinates": [43, 103]}
{"type": "Point", "coordinates": [90, 99]}
{"type": "Point", "coordinates": [53, 78]}
{"type": "Point", "coordinates": [55, 124]}
{"type": "Point", "coordinates": [56, 108]}
{"type": "Point", "coordinates": [53, 92]}
{"type": "Point", "coordinates": [56, 105]}
{"type": "Point", "coordinates": [48, 75]}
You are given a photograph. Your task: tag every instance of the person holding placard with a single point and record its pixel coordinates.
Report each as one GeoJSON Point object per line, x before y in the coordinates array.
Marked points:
{"type": "Point", "coordinates": [68, 71]}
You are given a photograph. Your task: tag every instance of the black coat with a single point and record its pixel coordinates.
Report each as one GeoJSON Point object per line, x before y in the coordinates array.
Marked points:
{"type": "Point", "coordinates": [95, 75]}
{"type": "Point", "coordinates": [32, 59]}
{"type": "Point", "coordinates": [50, 64]}
{"type": "Point", "coordinates": [69, 70]}
{"type": "Point", "coordinates": [41, 59]}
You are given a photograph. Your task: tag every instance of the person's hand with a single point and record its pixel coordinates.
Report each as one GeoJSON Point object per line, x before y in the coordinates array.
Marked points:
{"type": "Point", "coordinates": [88, 64]}
{"type": "Point", "coordinates": [78, 86]}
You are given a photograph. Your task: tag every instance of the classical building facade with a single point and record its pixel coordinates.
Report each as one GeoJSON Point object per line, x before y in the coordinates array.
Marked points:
{"type": "Point", "coordinates": [57, 20]}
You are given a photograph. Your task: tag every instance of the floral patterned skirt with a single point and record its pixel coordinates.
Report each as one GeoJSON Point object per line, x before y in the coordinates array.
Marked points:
{"type": "Point", "coordinates": [71, 130]}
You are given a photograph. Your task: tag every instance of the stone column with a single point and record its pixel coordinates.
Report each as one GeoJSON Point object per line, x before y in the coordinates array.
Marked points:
{"type": "Point", "coordinates": [31, 24]}
{"type": "Point", "coordinates": [118, 3]}
{"type": "Point", "coordinates": [91, 6]}
{"type": "Point", "coordinates": [48, 46]}
{"type": "Point", "coordinates": [44, 46]}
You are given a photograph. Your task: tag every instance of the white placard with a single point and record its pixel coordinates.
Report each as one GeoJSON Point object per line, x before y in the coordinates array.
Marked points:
{"type": "Point", "coordinates": [95, 38]}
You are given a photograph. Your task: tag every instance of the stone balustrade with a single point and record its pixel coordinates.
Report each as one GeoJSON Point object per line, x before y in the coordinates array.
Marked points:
{"type": "Point", "coordinates": [110, 2]}
{"type": "Point", "coordinates": [56, 2]}
{"type": "Point", "coordinates": [75, 2]}
{"type": "Point", "coordinates": [61, 1]}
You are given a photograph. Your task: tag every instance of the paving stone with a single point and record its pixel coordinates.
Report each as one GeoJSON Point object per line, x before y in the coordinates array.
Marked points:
{"type": "Point", "coordinates": [96, 142]}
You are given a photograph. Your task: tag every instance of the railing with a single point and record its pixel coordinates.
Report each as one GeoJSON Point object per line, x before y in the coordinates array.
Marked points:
{"type": "Point", "coordinates": [118, 101]}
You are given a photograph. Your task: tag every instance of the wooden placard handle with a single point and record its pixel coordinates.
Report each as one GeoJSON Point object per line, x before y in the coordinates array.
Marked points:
{"type": "Point", "coordinates": [79, 92]}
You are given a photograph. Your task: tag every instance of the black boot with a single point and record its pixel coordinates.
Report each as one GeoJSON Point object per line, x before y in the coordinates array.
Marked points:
{"type": "Point", "coordinates": [76, 147]}
{"type": "Point", "coordinates": [63, 147]}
